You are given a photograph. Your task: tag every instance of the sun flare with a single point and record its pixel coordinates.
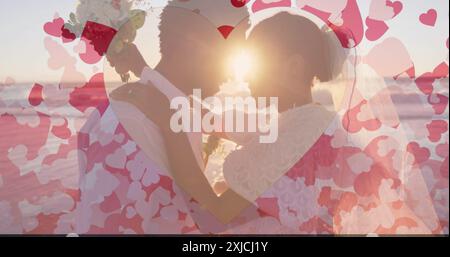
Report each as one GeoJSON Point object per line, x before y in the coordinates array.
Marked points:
{"type": "Point", "coordinates": [241, 65]}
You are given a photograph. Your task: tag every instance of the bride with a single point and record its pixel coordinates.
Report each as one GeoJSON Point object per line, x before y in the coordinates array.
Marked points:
{"type": "Point", "coordinates": [140, 177]}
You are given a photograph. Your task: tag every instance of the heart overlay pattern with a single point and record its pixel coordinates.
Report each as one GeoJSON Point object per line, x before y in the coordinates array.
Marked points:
{"type": "Point", "coordinates": [350, 174]}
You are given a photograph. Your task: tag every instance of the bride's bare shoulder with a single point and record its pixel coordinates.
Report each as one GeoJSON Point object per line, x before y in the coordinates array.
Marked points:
{"type": "Point", "coordinates": [134, 92]}
{"type": "Point", "coordinates": [147, 98]}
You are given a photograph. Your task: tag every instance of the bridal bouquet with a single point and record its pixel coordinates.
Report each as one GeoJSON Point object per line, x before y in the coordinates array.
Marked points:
{"type": "Point", "coordinates": [107, 24]}
{"type": "Point", "coordinates": [114, 14]}
{"type": "Point", "coordinates": [111, 13]}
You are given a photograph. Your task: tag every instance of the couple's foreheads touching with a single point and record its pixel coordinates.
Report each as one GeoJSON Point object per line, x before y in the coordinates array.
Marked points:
{"type": "Point", "coordinates": [295, 53]}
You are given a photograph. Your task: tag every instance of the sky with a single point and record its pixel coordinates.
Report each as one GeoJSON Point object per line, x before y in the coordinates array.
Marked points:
{"type": "Point", "coordinates": [22, 52]}
{"type": "Point", "coordinates": [24, 57]}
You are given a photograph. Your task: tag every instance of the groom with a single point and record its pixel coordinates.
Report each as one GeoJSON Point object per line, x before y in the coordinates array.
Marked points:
{"type": "Point", "coordinates": [191, 59]}
{"type": "Point", "coordinates": [192, 54]}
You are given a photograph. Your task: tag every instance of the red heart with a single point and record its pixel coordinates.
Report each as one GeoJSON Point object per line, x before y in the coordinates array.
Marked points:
{"type": "Point", "coordinates": [396, 6]}
{"type": "Point", "coordinates": [425, 83]}
{"type": "Point", "coordinates": [429, 18]}
{"type": "Point", "coordinates": [54, 28]}
{"type": "Point", "coordinates": [239, 3]}
{"type": "Point", "coordinates": [225, 30]}
{"type": "Point", "coordinates": [420, 154]}
{"type": "Point", "coordinates": [67, 36]}
{"type": "Point", "coordinates": [375, 29]}
{"type": "Point", "coordinates": [35, 97]}
{"type": "Point", "coordinates": [441, 71]}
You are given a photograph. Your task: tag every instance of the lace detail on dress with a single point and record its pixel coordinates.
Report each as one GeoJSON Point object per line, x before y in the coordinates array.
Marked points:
{"type": "Point", "coordinates": [254, 168]}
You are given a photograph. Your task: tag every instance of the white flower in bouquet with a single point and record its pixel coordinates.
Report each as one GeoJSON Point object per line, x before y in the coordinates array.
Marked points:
{"type": "Point", "coordinates": [111, 13]}
{"type": "Point", "coordinates": [107, 12]}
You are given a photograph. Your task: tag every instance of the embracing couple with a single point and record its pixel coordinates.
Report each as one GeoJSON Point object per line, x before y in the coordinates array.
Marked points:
{"type": "Point", "coordinates": [138, 175]}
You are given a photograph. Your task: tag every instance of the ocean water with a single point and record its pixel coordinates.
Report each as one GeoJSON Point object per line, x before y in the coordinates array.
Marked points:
{"type": "Point", "coordinates": [15, 100]}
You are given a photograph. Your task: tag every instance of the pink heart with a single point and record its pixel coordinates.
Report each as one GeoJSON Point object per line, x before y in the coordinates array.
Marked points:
{"type": "Point", "coordinates": [259, 5]}
{"type": "Point", "coordinates": [90, 56]}
{"type": "Point", "coordinates": [97, 38]}
{"type": "Point", "coordinates": [9, 81]}
{"type": "Point", "coordinates": [429, 18]}
{"type": "Point", "coordinates": [54, 28]}
{"type": "Point", "coordinates": [396, 6]}
{"type": "Point", "coordinates": [117, 159]}
{"type": "Point", "coordinates": [439, 103]}
{"type": "Point", "coordinates": [375, 29]}
{"type": "Point", "coordinates": [442, 150]}
{"type": "Point", "coordinates": [62, 131]}
{"type": "Point", "coordinates": [383, 10]}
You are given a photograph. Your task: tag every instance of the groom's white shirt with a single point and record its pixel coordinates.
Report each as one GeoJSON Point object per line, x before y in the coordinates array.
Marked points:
{"type": "Point", "coordinates": [145, 132]}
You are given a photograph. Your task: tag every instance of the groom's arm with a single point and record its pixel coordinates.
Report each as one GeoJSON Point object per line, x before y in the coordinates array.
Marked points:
{"type": "Point", "coordinates": [128, 59]}
{"type": "Point", "coordinates": [185, 169]}
{"type": "Point", "coordinates": [190, 177]}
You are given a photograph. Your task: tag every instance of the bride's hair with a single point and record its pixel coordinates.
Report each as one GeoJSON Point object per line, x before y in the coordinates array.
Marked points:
{"type": "Point", "coordinates": [298, 35]}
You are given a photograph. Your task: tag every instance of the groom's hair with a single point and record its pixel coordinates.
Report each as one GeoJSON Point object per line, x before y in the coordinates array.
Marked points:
{"type": "Point", "coordinates": [173, 29]}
